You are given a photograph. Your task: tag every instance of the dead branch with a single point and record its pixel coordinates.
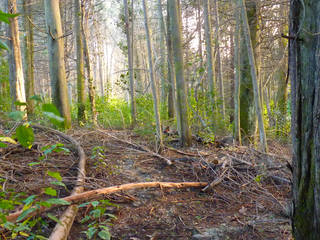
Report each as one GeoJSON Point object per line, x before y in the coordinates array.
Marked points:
{"type": "Point", "coordinates": [186, 153]}
{"type": "Point", "coordinates": [168, 161]}
{"type": "Point", "coordinates": [95, 194]}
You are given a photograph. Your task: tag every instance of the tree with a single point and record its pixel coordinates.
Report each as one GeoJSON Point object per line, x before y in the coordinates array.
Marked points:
{"type": "Point", "coordinates": [17, 89]}
{"type": "Point", "coordinates": [92, 91]}
{"type": "Point", "coordinates": [130, 63]}
{"type": "Point", "coordinates": [254, 78]}
{"type": "Point", "coordinates": [56, 60]}
{"type": "Point", "coordinates": [210, 61]}
{"type": "Point", "coordinates": [218, 57]}
{"type": "Point", "coordinates": [80, 62]}
{"type": "Point", "coordinates": [182, 105]}
{"type": "Point", "coordinates": [151, 72]}
{"type": "Point", "coordinates": [237, 132]}
{"type": "Point", "coordinates": [304, 68]}
{"type": "Point", "coordinates": [29, 48]}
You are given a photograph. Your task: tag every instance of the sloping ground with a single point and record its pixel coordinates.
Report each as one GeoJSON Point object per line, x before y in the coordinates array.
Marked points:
{"type": "Point", "coordinates": [248, 198]}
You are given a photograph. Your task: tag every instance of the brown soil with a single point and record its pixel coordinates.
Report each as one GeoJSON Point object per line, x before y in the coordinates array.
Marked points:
{"type": "Point", "coordinates": [250, 198]}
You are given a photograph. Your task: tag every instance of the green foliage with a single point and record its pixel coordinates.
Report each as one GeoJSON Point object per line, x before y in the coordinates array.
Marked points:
{"type": "Point", "coordinates": [25, 135]}
{"type": "Point", "coordinates": [4, 17]}
{"type": "Point", "coordinates": [98, 227]}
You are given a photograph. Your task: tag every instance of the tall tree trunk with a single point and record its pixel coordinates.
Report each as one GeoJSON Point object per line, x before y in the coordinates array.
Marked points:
{"type": "Point", "coordinates": [219, 65]}
{"type": "Point", "coordinates": [237, 132]}
{"type": "Point", "coordinates": [130, 63]}
{"type": "Point", "coordinates": [246, 30]}
{"type": "Point", "coordinates": [92, 91]}
{"type": "Point", "coordinates": [210, 61]}
{"type": "Point", "coordinates": [28, 40]}
{"type": "Point", "coordinates": [151, 71]}
{"type": "Point", "coordinates": [172, 103]}
{"type": "Point", "coordinates": [162, 55]}
{"type": "Point", "coordinates": [247, 108]}
{"type": "Point", "coordinates": [182, 105]}
{"type": "Point", "coordinates": [56, 60]}
{"type": "Point", "coordinates": [80, 62]}
{"type": "Point", "coordinates": [305, 97]}
{"type": "Point", "coordinates": [17, 87]}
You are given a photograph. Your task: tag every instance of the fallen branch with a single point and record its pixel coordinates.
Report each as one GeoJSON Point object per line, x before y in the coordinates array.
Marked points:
{"type": "Point", "coordinates": [95, 194]}
{"type": "Point", "coordinates": [61, 231]}
{"type": "Point", "coordinates": [168, 161]}
{"type": "Point", "coordinates": [186, 153]}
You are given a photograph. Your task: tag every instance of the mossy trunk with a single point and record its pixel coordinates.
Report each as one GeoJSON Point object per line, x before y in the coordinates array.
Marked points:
{"type": "Point", "coordinates": [305, 94]}
{"type": "Point", "coordinates": [247, 109]}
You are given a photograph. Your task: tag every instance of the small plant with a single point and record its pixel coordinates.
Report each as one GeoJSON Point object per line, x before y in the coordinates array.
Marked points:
{"type": "Point", "coordinates": [98, 227]}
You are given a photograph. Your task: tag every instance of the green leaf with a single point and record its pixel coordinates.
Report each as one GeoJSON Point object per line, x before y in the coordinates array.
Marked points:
{"type": "Point", "coordinates": [4, 46]}
{"type": "Point", "coordinates": [45, 204]}
{"type": "Point", "coordinates": [36, 98]}
{"type": "Point", "coordinates": [95, 203]}
{"type": "Point", "coordinates": [29, 199]}
{"type": "Point", "coordinates": [3, 145]}
{"type": "Point", "coordinates": [25, 136]}
{"type": "Point", "coordinates": [41, 237]}
{"type": "Point", "coordinates": [6, 204]}
{"type": "Point", "coordinates": [104, 234]}
{"type": "Point", "coordinates": [25, 213]}
{"type": "Point", "coordinates": [51, 112]}
{"type": "Point", "coordinates": [84, 204]}
{"type": "Point", "coordinates": [58, 201]}
{"type": "Point", "coordinates": [54, 218]}
{"type": "Point", "coordinates": [58, 183]}
{"type": "Point", "coordinates": [96, 213]}
{"type": "Point", "coordinates": [8, 139]}
{"type": "Point", "coordinates": [34, 163]}
{"type": "Point", "coordinates": [18, 103]}
{"type": "Point", "coordinates": [50, 191]}
{"type": "Point", "coordinates": [90, 232]}
{"type": "Point", "coordinates": [55, 175]}
{"type": "Point", "coordinates": [16, 115]}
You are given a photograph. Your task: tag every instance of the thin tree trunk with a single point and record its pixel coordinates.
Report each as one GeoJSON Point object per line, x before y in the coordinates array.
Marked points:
{"type": "Point", "coordinates": [246, 29]}
{"type": "Point", "coordinates": [182, 105]}
{"type": "Point", "coordinates": [28, 40]}
{"type": "Point", "coordinates": [130, 63]}
{"type": "Point", "coordinates": [56, 60]}
{"type": "Point", "coordinates": [162, 54]}
{"type": "Point", "coordinates": [80, 62]}
{"type": "Point", "coordinates": [92, 91]}
{"type": "Point", "coordinates": [151, 71]}
{"type": "Point", "coordinates": [237, 132]}
{"type": "Point", "coordinates": [219, 65]}
{"type": "Point", "coordinates": [17, 87]}
{"type": "Point", "coordinates": [172, 103]}
{"type": "Point", "coordinates": [210, 61]}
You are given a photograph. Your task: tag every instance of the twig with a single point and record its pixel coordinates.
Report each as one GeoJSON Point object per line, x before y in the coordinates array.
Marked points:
{"type": "Point", "coordinates": [168, 161]}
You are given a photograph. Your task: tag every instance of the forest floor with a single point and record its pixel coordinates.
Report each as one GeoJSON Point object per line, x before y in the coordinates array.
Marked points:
{"type": "Point", "coordinates": [249, 199]}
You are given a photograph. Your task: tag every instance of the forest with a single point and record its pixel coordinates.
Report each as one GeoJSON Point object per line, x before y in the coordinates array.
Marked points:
{"type": "Point", "coordinates": [162, 119]}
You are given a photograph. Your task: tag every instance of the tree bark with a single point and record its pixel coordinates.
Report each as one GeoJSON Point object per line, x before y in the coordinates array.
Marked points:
{"type": "Point", "coordinates": [182, 105]}
{"type": "Point", "coordinates": [151, 72]}
{"type": "Point", "coordinates": [237, 132]}
{"type": "Point", "coordinates": [246, 30]}
{"type": "Point", "coordinates": [56, 60]}
{"type": "Point", "coordinates": [29, 48]}
{"type": "Point", "coordinates": [210, 61]}
{"type": "Point", "coordinates": [17, 87]}
{"type": "Point", "coordinates": [80, 62]}
{"type": "Point", "coordinates": [130, 63]}
{"type": "Point", "coordinates": [305, 97]}
{"type": "Point", "coordinates": [218, 57]}
{"type": "Point", "coordinates": [91, 87]}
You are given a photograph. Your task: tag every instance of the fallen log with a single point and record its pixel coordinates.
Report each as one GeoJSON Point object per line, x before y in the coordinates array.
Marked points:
{"type": "Point", "coordinates": [168, 161]}
{"type": "Point", "coordinates": [61, 231]}
{"type": "Point", "coordinates": [95, 194]}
